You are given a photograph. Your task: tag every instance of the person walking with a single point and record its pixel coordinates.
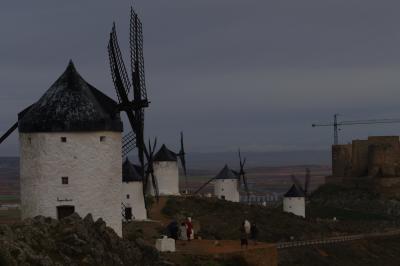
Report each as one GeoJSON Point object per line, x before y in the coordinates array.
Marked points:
{"type": "Point", "coordinates": [173, 229]}
{"type": "Point", "coordinates": [254, 233]}
{"type": "Point", "coordinates": [189, 228]}
{"type": "Point", "coordinates": [243, 236]}
{"type": "Point", "coordinates": [183, 232]}
{"type": "Point", "coordinates": [247, 226]}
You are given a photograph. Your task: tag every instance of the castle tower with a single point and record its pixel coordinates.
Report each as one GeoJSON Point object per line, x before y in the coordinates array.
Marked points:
{"type": "Point", "coordinates": [166, 172]}
{"type": "Point", "coordinates": [294, 201]}
{"type": "Point", "coordinates": [70, 153]}
{"type": "Point", "coordinates": [132, 193]}
{"type": "Point", "coordinates": [226, 185]}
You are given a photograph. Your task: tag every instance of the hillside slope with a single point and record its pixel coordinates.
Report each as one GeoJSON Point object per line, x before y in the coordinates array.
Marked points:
{"type": "Point", "coordinates": [218, 219]}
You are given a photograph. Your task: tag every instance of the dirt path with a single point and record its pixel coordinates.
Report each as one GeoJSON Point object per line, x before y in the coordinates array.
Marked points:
{"type": "Point", "coordinates": [205, 247]}
{"type": "Point", "coordinates": [262, 254]}
{"type": "Point", "coordinates": [156, 214]}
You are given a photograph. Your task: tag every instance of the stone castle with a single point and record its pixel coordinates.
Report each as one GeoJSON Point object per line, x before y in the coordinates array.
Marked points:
{"type": "Point", "coordinates": [374, 161]}
{"type": "Point", "coordinates": [374, 157]}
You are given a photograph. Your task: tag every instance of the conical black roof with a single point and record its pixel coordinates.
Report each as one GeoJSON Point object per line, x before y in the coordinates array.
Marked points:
{"type": "Point", "coordinates": [294, 192]}
{"type": "Point", "coordinates": [130, 172]}
{"type": "Point", "coordinates": [71, 104]}
{"type": "Point", "coordinates": [165, 155]}
{"type": "Point", "coordinates": [227, 173]}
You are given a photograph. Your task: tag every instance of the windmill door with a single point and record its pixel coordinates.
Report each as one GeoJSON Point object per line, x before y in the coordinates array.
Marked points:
{"type": "Point", "coordinates": [128, 213]}
{"type": "Point", "coordinates": [64, 211]}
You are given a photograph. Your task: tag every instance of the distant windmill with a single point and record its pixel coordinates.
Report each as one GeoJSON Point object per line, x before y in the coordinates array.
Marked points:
{"type": "Point", "coordinates": [134, 108]}
{"type": "Point", "coordinates": [166, 170]}
{"type": "Point", "coordinates": [227, 173]}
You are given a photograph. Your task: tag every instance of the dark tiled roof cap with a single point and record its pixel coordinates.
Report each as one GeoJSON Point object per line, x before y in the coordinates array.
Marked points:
{"type": "Point", "coordinates": [69, 105]}
{"type": "Point", "coordinates": [165, 155]}
{"type": "Point", "coordinates": [227, 173]}
{"type": "Point", "coordinates": [294, 192]}
{"type": "Point", "coordinates": [130, 172]}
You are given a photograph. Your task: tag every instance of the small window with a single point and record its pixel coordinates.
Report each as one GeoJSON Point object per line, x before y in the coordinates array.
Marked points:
{"type": "Point", "coordinates": [64, 180]}
{"type": "Point", "coordinates": [63, 139]}
{"type": "Point", "coordinates": [30, 140]}
{"type": "Point", "coordinates": [102, 138]}
{"type": "Point", "coordinates": [127, 196]}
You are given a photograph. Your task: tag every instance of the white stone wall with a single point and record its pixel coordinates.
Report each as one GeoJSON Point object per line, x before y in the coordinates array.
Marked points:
{"type": "Point", "coordinates": [167, 175]}
{"type": "Point", "coordinates": [93, 168]}
{"type": "Point", "coordinates": [227, 188]}
{"type": "Point", "coordinates": [135, 200]}
{"type": "Point", "coordinates": [295, 205]}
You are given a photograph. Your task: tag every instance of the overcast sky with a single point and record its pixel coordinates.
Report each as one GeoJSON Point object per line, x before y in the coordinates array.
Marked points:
{"type": "Point", "coordinates": [229, 73]}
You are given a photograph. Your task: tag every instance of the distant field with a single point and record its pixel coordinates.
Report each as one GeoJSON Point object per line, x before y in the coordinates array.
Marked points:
{"type": "Point", "coordinates": [265, 179]}
{"type": "Point", "coordinates": [9, 199]}
{"type": "Point", "coordinates": [261, 179]}
{"type": "Point", "coordinates": [9, 216]}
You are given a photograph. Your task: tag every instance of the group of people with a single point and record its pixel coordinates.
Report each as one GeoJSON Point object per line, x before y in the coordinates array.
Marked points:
{"type": "Point", "coordinates": [184, 231]}
{"type": "Point", "coordinates": [248, 230]}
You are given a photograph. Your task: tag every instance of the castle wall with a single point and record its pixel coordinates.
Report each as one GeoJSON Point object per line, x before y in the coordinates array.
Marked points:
{"type": "Point", "coordinates": [341, 160]}
{"type": "Point", "coordinates": [359, 162]}
{"type": "Point", "coordinates": [132, 196]}
{"type": "Point", "coordinates": [384, 156]}
{"type": "Point", "coordinates": [93, 168]}
{"type": "Point", "coordinates": [227, 189]}
{"type": "Point", "coordinates": [379, 156]}
{"type": "Point", "coordinates": [167, 175]}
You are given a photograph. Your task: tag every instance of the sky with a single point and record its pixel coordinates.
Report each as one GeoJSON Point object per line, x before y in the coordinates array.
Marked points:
{"type": "Point", "coordinates": [229, 73]}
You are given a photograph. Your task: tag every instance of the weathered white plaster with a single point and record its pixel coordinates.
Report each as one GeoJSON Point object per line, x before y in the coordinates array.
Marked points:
{"type": "Point", "coordinates": [165, 244]}
{"type": "Point", "coordinates": [135, 200]}
{"type": "Point", "coordinates": [167, 176]}
{"type": "Point", "coordinates": [295, 205]}
{"type": "Point", "coordinates": [227, 188]}
{"type": "Point", "coordinates": [93, 168]}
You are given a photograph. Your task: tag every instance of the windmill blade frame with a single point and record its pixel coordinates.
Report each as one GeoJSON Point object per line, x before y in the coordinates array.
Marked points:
{"type": "Point", "coordinates": [297, 182]}
{"type": "Point", "coordinates": [135, 108]}
{"type": "Point", "coordinates": [242, 175]}
{"type": "Point", "coordinates": [137, 58]}
{"type": "Point", "coordinates": [118, 69]}
{"type": "Point", "coordinates": [128, 143]}
{"type": "Point", "coordinates": [182, 156]}
{"type": "Point", "coordinates": [8, 132]}
{"type": "Point", "coordinates": [204, 185]}
{"type": "Point", "coordinates": [150, 169]}
{"type": "Point", "coordinates": [307, 181]}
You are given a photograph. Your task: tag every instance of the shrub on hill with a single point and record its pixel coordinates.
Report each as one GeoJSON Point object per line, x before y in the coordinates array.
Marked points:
{"type": "Point", "coordinates": [353, 203]}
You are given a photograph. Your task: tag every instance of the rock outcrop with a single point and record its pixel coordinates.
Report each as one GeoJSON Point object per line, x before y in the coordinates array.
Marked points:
{"type": "Point", "coordinates": [70, 241]}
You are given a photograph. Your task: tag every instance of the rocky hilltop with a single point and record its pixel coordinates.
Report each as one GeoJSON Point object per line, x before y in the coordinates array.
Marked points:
{"type": "Point", "coordinates": [70, 241]}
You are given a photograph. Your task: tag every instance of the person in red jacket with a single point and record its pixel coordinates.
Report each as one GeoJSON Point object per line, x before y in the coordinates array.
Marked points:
{"type": "Point", "coordinates": [189, 228]}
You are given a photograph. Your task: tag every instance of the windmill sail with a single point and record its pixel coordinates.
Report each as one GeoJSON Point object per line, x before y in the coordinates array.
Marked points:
{"type": "Point", "coordinates": [118, 69]}
{"type": "Point", "coordinates": [242, 175]}
{"type": "Point", "coordinates": [134, 108]}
